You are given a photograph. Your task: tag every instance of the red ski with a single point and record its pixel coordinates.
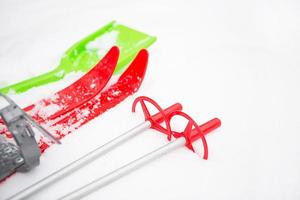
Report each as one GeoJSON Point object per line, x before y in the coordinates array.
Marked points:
{"type": "Point", "coordinates": [91, 102]}
{"type": "Point", "coordinates": [79, 92]}
{"type": "Point", "coordinates": [127, 84]}
{"type": "Point", "coordinates": [76, 94]}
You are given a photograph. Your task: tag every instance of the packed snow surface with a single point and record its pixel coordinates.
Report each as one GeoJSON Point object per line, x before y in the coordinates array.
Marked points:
{"type": "Point", "coordinates": [104, 43]}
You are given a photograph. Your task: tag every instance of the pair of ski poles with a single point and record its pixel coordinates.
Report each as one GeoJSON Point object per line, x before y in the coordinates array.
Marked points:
{"type": "Point", "coordinates": [186, 138]}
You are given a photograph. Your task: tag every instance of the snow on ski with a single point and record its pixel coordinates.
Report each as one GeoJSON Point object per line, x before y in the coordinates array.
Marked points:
{"type": "Point", "coordinates": [127, 84]}
{"type": "Point", "coordinates": [74, 95]}
{"type": "Point", "coordinates": [65, 122]}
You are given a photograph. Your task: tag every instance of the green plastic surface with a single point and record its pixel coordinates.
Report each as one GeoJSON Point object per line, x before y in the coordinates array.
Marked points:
{"type": "Point", "coordinates": [83, 55]}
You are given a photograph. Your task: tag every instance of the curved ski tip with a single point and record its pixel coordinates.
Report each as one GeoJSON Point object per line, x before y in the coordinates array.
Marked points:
{"type": "Point", "coordinates": [139, 64]}
{"type": "Point", "coordinates": [114, 49]}
{"type": "Point", "coordinates": [111, 57]}
{"type": "Point", "coordinates": [144, 51]}
{"type": "Point", "coordinates": [141, 59]}
{"type": "Point", "coordinates": [112, 54]}
{"type": "Point", "coordinates": [142, 55]}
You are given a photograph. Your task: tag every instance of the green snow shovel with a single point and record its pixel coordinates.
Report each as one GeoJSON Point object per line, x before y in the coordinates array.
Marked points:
{"type": "Point", "coordinates": [83, 55]}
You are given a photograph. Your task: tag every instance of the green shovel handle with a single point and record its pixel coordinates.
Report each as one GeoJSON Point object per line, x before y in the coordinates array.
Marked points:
{"type": "Point", "coordinates": [23, 86]}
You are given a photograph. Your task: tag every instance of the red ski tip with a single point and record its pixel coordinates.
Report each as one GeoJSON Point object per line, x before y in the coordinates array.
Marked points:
{"type": "Point", "coordinates": [138, 66]}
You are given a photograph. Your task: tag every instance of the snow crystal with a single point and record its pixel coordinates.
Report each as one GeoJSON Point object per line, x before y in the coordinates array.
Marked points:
{"type": "Point", "coordinates": [11, 92]}
{"type": "Point", "coordinates": [37, 107]}
{"type": "Point", "coordinates": [116, 92]}
{"type": "Point", "coordinates": [81, 114]}
{"type": "Point", "coordinates": [103, 43]}
{"type": "Point", "coordinates": [60, 73]}
{"type": "Point", "coordinates": [54, 97]}
{"type": "Point", "coordinates": [93, 85]}
{"type": "Point", "coordinates": [49, 110]}
{"type": "Point", "coordinates": [71, 125]}
{"type": "Point", "coordinates": [114, 79]}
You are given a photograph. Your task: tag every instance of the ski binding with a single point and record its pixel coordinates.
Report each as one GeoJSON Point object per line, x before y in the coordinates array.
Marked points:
{"type": "Point", "coordinates": [24, 154]}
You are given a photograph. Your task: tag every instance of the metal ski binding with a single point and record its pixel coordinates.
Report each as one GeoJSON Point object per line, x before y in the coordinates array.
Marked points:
{"type": "Point", "coordinates": [25, 153]}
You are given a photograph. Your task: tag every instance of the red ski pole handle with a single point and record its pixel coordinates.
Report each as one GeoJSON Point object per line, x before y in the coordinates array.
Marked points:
{"type": "Point", "coordinates": [205, 128]}
{"type": "Point", "coordinates": [194, 132]}
{"type": "Point", "coordinates": [161, 116]}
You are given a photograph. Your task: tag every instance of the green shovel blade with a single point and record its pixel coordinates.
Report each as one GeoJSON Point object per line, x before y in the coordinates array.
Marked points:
{"type": "Point", "coordinates": [83, 55]}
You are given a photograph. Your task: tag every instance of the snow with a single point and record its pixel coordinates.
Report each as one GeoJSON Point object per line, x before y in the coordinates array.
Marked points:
{"type": "Point", "coordinates": [49, 110]}
{"type": "Point", "coordinates": [103, 43]}
{"type": "Point", "coordinates": [112, 81]}
{"type": "Point", "coordinates": [236, 60]}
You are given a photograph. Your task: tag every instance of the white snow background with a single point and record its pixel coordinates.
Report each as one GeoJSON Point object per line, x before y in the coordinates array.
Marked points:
{"type": "Point", "coordinates": [236, 60]}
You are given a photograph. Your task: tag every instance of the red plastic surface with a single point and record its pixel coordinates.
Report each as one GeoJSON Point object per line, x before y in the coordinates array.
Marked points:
{"type": "Point", "coordinates": [192, 131]}
{"type": "Point", "coordinates": [161, 116]}
{"type": "Point", "coordinates": [205, 129]}
{"type": "Point", "coordinates": [128, 83]}
{"type": "Point", "coordinates": [82, 90]}
{"type": "Point", "coordinates": [188, 131]}
{"type": "Point", "coordinates": [76, 94]}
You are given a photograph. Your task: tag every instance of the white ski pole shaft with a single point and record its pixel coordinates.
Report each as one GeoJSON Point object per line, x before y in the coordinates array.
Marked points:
{"type": "Point", "coordinates": [122, 171]}
{"type": "Point", "coordinates": [89, 157]}
{"type": "Point", "coordinates": [131, 166]}
{"type": "Point", "coordinates": [82, 161]}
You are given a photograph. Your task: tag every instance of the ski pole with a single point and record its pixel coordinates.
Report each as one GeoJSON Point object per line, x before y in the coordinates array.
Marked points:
{"type": "Point", "coordinates": [151, 122]}
{"type": "Point", "coordinates": [131, 166]}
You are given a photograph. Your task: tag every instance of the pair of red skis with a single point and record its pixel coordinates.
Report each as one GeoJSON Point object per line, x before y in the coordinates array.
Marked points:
{"type": "Point", "coordinates": [87, 98]}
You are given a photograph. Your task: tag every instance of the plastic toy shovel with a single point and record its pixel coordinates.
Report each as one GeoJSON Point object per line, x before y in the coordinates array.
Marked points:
{"type": "Point", "coordinates": [83, 55]}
